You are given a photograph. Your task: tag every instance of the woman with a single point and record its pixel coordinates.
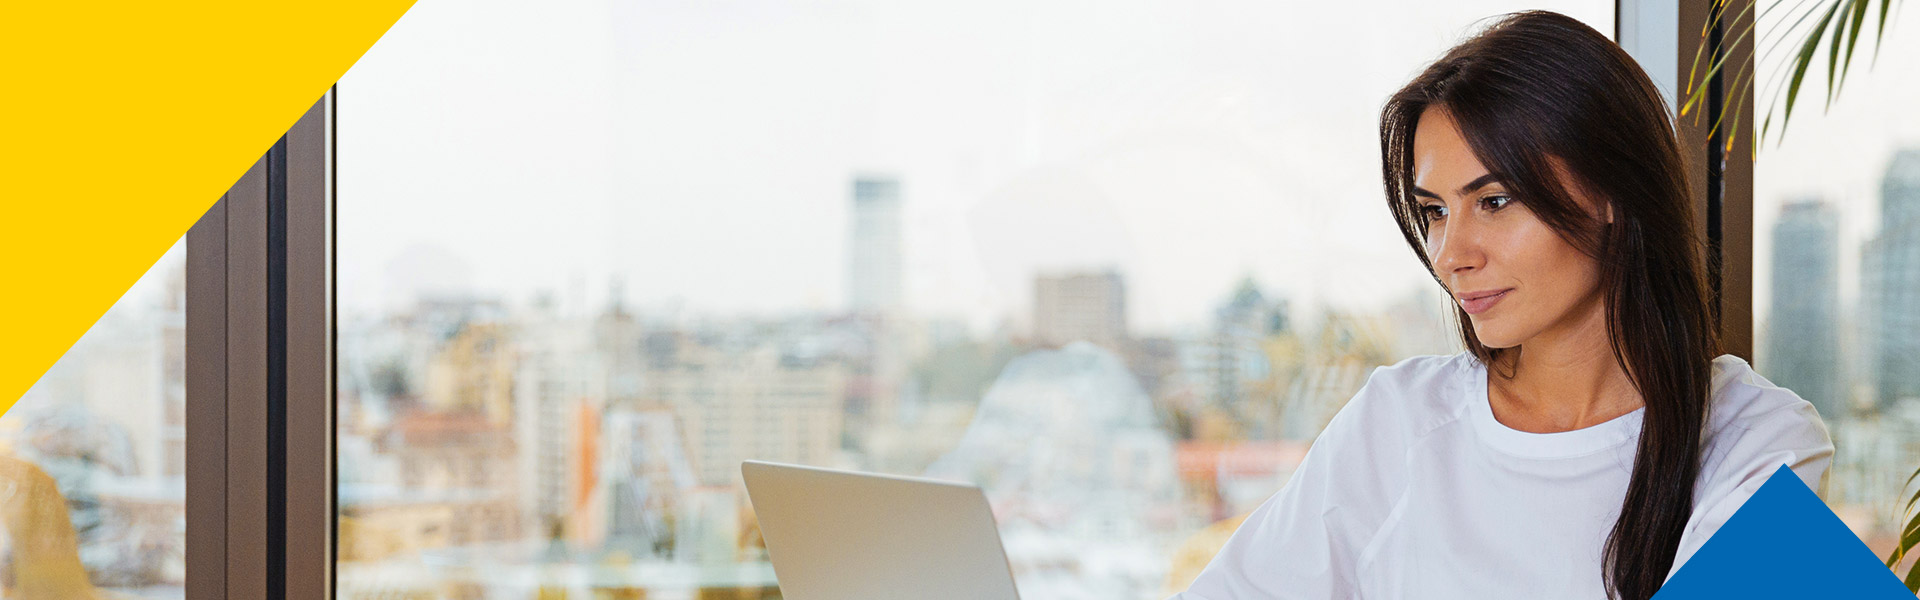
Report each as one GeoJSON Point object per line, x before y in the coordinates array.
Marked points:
{"type": "Point", "coordinates": [1592, 436]}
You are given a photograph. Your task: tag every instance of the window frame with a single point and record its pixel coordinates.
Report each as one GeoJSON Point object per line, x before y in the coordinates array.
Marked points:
{"type": "Point", "coordinates": [1663, 36]}
{"type": "Point", "coordinates": [260, 376]}
{"type": "Point", "coordinates": [261, 339]}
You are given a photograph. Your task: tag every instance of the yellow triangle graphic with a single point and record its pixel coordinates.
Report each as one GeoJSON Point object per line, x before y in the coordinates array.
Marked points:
{"type": "Point", "coordinates": [122, 122]}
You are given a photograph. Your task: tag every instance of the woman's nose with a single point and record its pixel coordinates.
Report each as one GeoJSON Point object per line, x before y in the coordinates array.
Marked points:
{"type": "Point", "coordinates": [1456, 247]}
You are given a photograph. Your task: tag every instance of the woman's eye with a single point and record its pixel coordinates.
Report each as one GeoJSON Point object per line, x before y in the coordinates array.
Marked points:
{"type": "Point", "coordinates": [1503, 201]}
{"type": "Point", "coordinates": [1432, 211]}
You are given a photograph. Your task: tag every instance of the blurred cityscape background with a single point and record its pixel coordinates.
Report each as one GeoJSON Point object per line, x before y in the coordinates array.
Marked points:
{"type": "Point", "coordinates": [1119, 269]}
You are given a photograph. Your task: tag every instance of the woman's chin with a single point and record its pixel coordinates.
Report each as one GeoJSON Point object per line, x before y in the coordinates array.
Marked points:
{"type": "Point", "coordinates": [1493, 338]}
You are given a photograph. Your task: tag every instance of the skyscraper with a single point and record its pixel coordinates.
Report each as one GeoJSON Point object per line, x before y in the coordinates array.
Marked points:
{"type": "Point", "coordinates": [1890, 283]}
{"type": "Point", "coordinates": [1803, 339]}
{"type": "Point", "coordinates": [1090, 306]}
{"type": "Point", "coordinates": [874, 264]}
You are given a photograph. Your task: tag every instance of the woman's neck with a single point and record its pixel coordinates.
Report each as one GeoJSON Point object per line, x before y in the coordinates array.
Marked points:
{"type": "Point", "coordinates": [1565, 378]}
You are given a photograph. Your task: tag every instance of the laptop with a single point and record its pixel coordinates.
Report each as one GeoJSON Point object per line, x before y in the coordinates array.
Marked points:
{"type": "Point", "coordinates": [840, 535]}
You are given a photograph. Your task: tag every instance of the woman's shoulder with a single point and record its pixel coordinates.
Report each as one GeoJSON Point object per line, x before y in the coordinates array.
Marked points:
{"type": "Point", "coordinates": [1426, 368]}
{"type": "Point", "coordinates": [1754, 427]}
{"type": "Point", "coordinates": [1742, 399]}
{"type": "Point", "coordinates": [1409, 397]}
{"type": "Point", "coordinates": [1754, 424]}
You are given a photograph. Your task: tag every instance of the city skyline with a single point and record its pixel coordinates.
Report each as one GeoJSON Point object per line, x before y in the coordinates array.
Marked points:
{"type": "Point", "coordinates": [576, 439]}
{"type": "Point", "coordinates": [971, 132]}
{"type": "Point", "coordinates": [1804, 334]}
{"type": "Point", "coordinates": [592, 256]}
{"type": "Point", "coordinates": [1038, 143]}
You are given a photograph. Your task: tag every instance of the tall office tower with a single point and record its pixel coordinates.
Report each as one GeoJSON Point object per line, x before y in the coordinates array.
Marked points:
{"type": "Point", "coordinates": [1803, 337]}
{"type": "Point", "coordinates": [1890, 283]}
{"type": "Point", "coordinates": [874, 268]}
{"type": "Point", "coordinates": [1089, 306]}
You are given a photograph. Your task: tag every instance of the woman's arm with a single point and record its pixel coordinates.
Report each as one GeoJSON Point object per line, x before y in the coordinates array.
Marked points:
{"type": "Point", "coordinates": [1754, 449]}
{"type": "Point", "coordinates": [1304, 542]}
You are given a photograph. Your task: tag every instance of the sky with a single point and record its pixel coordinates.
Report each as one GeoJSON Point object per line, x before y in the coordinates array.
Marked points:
{"type": "Point", "coordinates": [1837, 153]}
{"type": "Point", "coordinates": [698, 155]}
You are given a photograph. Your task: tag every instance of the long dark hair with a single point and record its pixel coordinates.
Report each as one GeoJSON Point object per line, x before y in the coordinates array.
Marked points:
{"type": "Point", "coordinates": [1537, 84]}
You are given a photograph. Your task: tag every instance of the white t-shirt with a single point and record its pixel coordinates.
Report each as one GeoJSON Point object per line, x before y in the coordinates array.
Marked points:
{"type": "Point", "coordinates": [1415, 490]}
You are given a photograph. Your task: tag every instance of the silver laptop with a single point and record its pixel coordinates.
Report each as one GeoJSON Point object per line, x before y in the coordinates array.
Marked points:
{"type": "Point", "coordinates": [839, 535]}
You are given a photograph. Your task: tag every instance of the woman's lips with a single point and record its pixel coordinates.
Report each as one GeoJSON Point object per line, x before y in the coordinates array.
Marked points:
{"type": "Point", "coordinates": [1482, 304]}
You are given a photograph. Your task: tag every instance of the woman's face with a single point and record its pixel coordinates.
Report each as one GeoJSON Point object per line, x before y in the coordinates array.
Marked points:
{"type": "Point", "coordinates": [1483, 240]}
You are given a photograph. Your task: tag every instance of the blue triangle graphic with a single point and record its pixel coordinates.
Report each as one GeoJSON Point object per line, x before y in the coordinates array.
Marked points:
{"type": "Point", "coordinates": [1784, 543]}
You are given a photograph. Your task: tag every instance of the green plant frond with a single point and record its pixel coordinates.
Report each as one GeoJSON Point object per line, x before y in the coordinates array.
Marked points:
{"type": "Point", "coordinates": [1786, 33]}
{"type": "Point", "coordinates": [1905, 513]}
{"type": "Point", "coordinates": [1693, 68]}
{"type": "Point", "coordinates": [1901, 549]}
{"type": "Point", "coordinates": [1900, 552]}
{"type": "Point", "coordinates": [1853, 39]}
{"type": "Point", "coordinates": [1780, 67]}
{"type": "Point", "coordinates": [1719, 12]}
{"type": "Point", "coordinates": [1740, 78]}
{"type": "Point", "coordinates": [1800, 6]}
{"type": "Point", "coordinates": [1777, 90]}
{"type": "Point", "coordinates": [1916, 495]}
{"type": "Point", "coordinates": [1692, 71]}
{"type": "Point", "coordinates": [1909, 538]}
{"type": "Point", "coordinates": [1913, 578]}
{"type": "Point", "coordinates": [1714, 8]}
{"type": "Point", "coordinates": [1833, 51]}
{"type": "Point", "coordinates": [1695, 95]}
{"type": "Point", "coordinates": [1837, 24]}
{"type": "Point", "coordinates": [1801, 62]}
{"type": "Point", "coordinates": [1778, 79]}
{"type": "Point", "coordinates": [1880, 31]}
{"type": "Point", "coordinates": [1779, 34]}
{"type": "Point", "coordinates": [1734, 127]}
{"type": "Point", "coordinates": [1774, 37]}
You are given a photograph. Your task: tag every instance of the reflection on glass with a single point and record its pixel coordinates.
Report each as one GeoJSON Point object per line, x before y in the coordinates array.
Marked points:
{"type": "Point", "coordinates": [1837, 273]}
{"type": "Point", "coordinates": [92, 458]}
{"type": "Point", "coordinates": [1117, 268]}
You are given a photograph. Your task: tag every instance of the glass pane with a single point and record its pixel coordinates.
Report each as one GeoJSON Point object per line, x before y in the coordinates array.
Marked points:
{"type": "Point", "coordinates": [595, 255]}
{"type": "Point", "coordinates": [93, 457]}
{"type": "Point", "coordinates": [1837, 266]}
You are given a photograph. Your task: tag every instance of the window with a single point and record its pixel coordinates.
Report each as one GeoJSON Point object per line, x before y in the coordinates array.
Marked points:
{"type": "Point", "coordinates": [93, 455]}
{"type": "Point", "coordinates": [1118, 268]}
{"type": "Point", "coordinates": [1837, 270]}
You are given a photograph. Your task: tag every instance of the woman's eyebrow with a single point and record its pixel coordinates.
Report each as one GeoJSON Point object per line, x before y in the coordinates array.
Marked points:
{"type": "Point", "coordinates": [1477, 183]}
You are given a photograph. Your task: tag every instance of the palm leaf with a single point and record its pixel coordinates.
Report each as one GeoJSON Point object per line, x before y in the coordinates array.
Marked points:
{"type": "Point", "coordinates": [1909, 537]}
{"type": "Point", "coordinates": [1695, 95]}
{"type": "Point", "coordinates": [1833, 50]}
{"type": "Point", "coordinates": [1879, 31]}
{"type": "Point", "coordinates": [1835, 24]}
{"type": "Point", "coordinates": [1698, 94]}
{"type": "Point", "coordinates": [1859, 14]}
{"type": "Point", "coordinates": [1801, 62]}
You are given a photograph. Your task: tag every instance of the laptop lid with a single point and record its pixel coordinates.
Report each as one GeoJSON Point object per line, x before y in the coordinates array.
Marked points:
{"type": "Point", "coordinates": [840, 535]}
